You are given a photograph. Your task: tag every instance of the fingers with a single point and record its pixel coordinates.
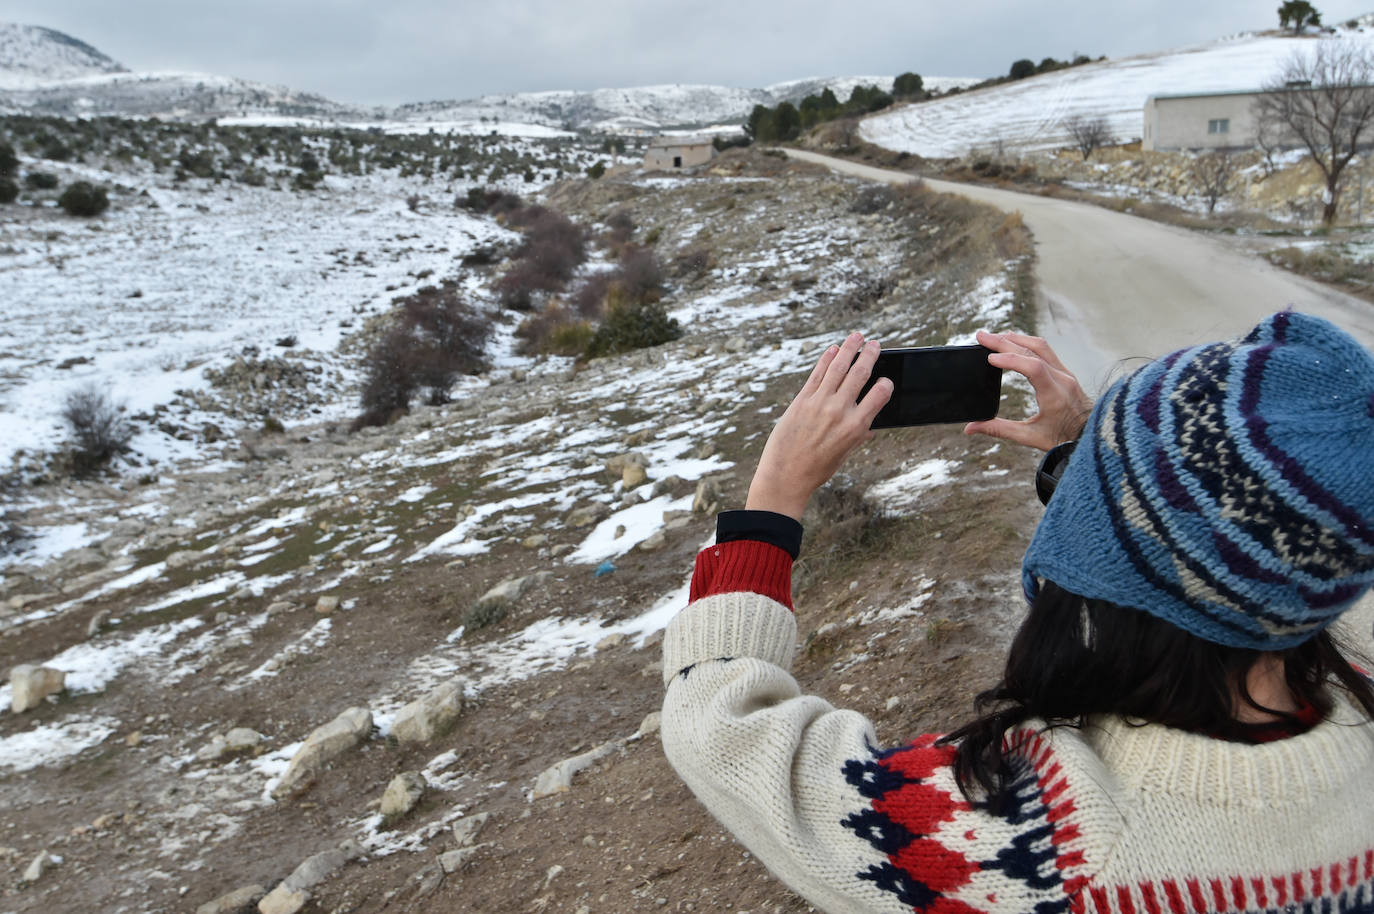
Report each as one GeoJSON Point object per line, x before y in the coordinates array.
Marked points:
{"type": "Point", "coordinates": [874, 401]}
{"type": "Point", "coordinates": [1008, 430]}
{"type": "Point", "coordinates": [840, 364]}
{"type": "Point", "coordinates": [1013, 342]}
{"type": "Point", "coordinates": [860, 371]}
{"type": "Point", "coordinates": [818, 373]}
{"type": "Point", "coordinates": [1035, 369]}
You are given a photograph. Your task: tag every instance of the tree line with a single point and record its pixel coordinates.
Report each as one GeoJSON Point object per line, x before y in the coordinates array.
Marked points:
{"type": "Point", "coordinates": [786, 121]}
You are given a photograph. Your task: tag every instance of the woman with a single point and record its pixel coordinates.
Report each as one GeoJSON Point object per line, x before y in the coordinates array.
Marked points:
{"type": "Point", "coordinates": [1175, 730]}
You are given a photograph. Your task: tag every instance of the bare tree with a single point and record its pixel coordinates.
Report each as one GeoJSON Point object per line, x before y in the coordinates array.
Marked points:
{"type": "Point", "coordinates": [1088, 133]}
{"type": "Point", "coordinates": [1324, 103]}
{"type": "Point", "coordinates": [1213, 172]}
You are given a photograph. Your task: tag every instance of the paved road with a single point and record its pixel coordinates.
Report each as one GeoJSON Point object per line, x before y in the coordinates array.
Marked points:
{"type": "Point", "coordinates": [1113, 287]}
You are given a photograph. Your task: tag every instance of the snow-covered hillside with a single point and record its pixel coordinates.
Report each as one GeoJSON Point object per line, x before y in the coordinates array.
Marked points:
{"type": "Point", "coordinates": [1029, 114]}
{"type": "Point", "coordinates": [31, 55]}
{"type": "Point", "coordinates": [48, 73]}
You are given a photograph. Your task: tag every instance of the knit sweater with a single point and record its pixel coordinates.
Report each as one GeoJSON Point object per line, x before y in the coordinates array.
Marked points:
{"type": "Point", "coordinates": [1109, 819]}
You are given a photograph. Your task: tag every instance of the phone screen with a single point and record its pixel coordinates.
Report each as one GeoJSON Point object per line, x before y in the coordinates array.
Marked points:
{"type": "Point", "coordinates": [936, 385]}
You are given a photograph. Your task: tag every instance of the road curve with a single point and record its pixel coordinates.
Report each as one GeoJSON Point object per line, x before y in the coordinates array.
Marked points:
{"type": "Point", "coordinates": [1113, 287]}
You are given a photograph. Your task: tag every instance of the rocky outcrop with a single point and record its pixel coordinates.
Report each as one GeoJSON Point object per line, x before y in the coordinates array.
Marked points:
{"type": "Point", "coordinates": [324, 744]}
{"type": "Point", "coordinates": [404, 791]}
{"type": "Point", "coordinates": [235, 902]}
{"type": "Point", "coordinates": [292, 893]}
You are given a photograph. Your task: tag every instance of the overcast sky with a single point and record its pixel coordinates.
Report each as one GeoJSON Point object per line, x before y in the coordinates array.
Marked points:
{"type": "Point", "coordinates": [391, 51]}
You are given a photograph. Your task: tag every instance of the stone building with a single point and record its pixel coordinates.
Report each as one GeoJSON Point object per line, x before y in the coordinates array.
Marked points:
{"type": "Point", "coordinates": [1212, 120]}
{"type": "Point", "coordinates": [670, 152]}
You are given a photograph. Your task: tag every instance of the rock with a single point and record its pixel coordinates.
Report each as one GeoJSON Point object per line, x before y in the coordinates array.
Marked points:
{"type": "Point", "coordinates": [324, 744]}
{"type": "Point", "coordinates": [653, 542]}
{"type": "Point", "coordinates": [40, 865]}
{"type": "Point", "coordinates": [402, 794]}
{"type": "Point", "coordinates": [615, 467]}
{"type": "Point", "coordinates": [534, 541]}
{"type": "Point", "coordinates": [558, 779]}
{"type": "Point", "coordinates": [633, 475]}
{"type": "Point", "coordinates": [610, 641]}
{"type": "Point", "coordinates": [29, 685]}
{"type": "Point", "coordinates": [454, 860]}
{"type": "Point", "coordinates": [649, 725]}
{"type": "Point", "coordinates": [429, 716]}
{"type": "Point", "coordinates": [183, 558]}
{"type": "Point", "coordinates": [707, 499]}
{"type": "Point", "coordinates": [326, 605]}
{"type": "Point", "coordinates": [21, 600]}
{"type": "Point", "coordinates": [280, 606]}
{"type": "Point", "coordinates": [239, 739]}
{"type": "Point", "coordinates": [293, 892]}
{"type": "Point", "coordinates": [562, 549]}
{"type": "Point", "coordinates": [735, 344]}
{"type": "Point", "coordinates": [512, 589]}
{"type": "Point", "coordinates": [668, 485]}
{"type": "Point", "coordinates": [466, 829]}
{"type": "Point", "coordinates": [134, 739]}
{"type": "Point", "coordinates": [233, 902]}
{"type": "Point", "coordinates": [586, 516]}
{"type": "Point", "coordinates": [97, 622]}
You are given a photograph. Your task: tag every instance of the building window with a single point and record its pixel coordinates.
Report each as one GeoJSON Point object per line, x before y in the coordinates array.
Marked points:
{"type": "Point", "coordinates": [1219, 125]}
{"type": "Point", "coordinates": [677, 161]}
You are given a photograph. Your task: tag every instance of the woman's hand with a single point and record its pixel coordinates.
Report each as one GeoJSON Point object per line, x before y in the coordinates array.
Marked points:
{"type": "Point", "coordinates": [820, 428]}
{"type": "Point", "coordinates": [1064, 407]}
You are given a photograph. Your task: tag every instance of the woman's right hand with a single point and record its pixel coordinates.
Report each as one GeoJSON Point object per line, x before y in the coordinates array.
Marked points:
{"type": "Point", "coordinates": [1063, 405]}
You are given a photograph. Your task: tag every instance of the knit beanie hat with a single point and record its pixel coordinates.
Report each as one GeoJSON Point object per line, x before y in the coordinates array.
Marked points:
{"type": "Point", "coordinates": [1227, 489]}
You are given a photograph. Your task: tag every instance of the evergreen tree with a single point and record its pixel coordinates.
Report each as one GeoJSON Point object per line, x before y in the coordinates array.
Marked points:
{"type": "Point", "coordinates": [907, 85]}
{"type": "Point", "coordinates": [1022, 68]}
{"type": "Point", "coordinates": [1299, 14]}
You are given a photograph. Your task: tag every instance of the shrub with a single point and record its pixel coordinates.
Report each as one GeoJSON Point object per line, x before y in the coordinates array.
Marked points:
{"type": "Point", "coordinates": [640, 274]}
{"type": "Point", "coordinates": [81, 198]}
{"type": "Point", "coordinates": [908, 85]}
{"type": "Point", "coordinates": [596, 169]}
{"type": "Point", "coordinates": [483, 614]}
{"type": "Point", "coordinates": [1022, 68]}
{"type": "Point", "coordinates": [589, 297]}
{"type": "Point", "coordinates": [435, 337]}
{"type": "Point", "coordinates": [40, 180]}
{"type": "Point", "coordinates": [553, 249]}
{"type": "Point", "coordinates": [487, 200]}
{"type": "Point", "coordinates": [632, 325]}
{"type": "Point", "coordinates": [9, 191]}
{"type": "Point", "coordinates": [9, 162]}
{"type": "Point", "coordinates": [693, 262]}
{"type": "Point", "coordinates": [555, 331]}
{"type": "Point", "coordinates": [620, 227]}
{"type": "Point", "coordinates": [873, 198]}
{"type": "Point", "coordinates": [98, 429]}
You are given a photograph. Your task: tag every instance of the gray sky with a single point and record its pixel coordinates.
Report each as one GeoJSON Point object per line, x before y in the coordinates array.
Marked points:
{"type": "Point", "coordinates": [366, 51]}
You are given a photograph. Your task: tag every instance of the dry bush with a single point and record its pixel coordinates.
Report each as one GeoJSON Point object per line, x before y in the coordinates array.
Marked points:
{"type": "Point", "coordinates": [98, 429]}
{"type": "Point", "coordinates": [553, 249]}
{"type": "Point", "coordinates": [868, 291]}
{"type": "Point", "coordinates": [589, 298]}
{"type": "Point", "coordinates": [631, 324]}
{"type": "Point", "coordinates": [489, 200]}
{"type": "Point", "coordinates": [872, 198]}
{"type": "Point", "coordinates": [554, 331]}
{"type": "Point", "coordinates": [693, 262]}
{"type": "Point", "coordinates": [640, 274]}
{"type": "Point", "coordinates": [434, 338]}
{"type": "Point", "coordinates": [620, 227]}
{"type": "Point", "coordinates": [11, 533]}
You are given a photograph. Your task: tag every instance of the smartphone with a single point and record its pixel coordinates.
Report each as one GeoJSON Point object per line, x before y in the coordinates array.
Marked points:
{"type": "Point", "coordinates": [937, 384]}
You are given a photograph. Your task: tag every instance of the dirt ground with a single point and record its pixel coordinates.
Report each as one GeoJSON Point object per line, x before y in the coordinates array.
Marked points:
{"type": "Point", "coordinates": [141, 825]}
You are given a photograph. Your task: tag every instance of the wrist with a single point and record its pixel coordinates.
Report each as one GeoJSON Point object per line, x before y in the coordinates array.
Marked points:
{"type": "Point", "coordinates": [761, 498]}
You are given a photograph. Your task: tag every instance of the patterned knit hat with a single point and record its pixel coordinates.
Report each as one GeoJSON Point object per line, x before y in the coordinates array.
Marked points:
{"type": "Point", "coordinates": [1227, 489]}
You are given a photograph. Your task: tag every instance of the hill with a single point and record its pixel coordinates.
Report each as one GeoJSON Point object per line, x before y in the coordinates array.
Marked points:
{"type": "Point", "coordinates": [1028, 115]}
{"type": "Point", "coordinates": [45, 72]}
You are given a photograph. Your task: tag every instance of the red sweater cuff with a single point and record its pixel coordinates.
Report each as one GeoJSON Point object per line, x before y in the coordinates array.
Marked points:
{"type": "Point", "coordinates": [743, 565]}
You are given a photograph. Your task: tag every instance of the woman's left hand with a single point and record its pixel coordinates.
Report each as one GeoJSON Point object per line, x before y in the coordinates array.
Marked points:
{"type": "Point", "coordinates": [820, 428]}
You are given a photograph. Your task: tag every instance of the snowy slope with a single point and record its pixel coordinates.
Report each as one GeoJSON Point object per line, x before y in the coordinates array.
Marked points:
{"type": "Point", "coordinates": [1029, 114]}
{"type": "Point", "coordinates": [31, 55]}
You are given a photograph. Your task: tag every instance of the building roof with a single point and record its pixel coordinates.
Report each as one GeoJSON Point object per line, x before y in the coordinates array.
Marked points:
{"type": "Point", "coordinates": [663, 142]}
{"type": "Point", "coordinates": [1164, 97]}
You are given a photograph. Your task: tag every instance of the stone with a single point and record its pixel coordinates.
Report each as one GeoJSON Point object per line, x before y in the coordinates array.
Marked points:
{"type": "Point", "coordinates": [21, 600]}
{"type": "Point", "coordinates": [293, 892]}
{"type": "Point", "coordinates": [735, 344]}
{"type": "Point", "coordinates": [404, 791]}
{"type": "Point", "coordinates": [633, 475]}
{"type": "Point", "coordinates": [562, 549]}
{"type": "Point", "coordinates": [615, 467]}
{"type": "Point", "coordinates": [707, 498]}
{"type": "Point", "coordinates": [30, 684]}
{"type": "Point", "coordinates": [585, 516]}
{"type": "Point", "coordinates": [612, 640]}
{"type": "Point", "coordinates": [97, 622]}
{"type": "Point", "coordinates": [649, 725]}
{"type": "Point", "coordinates": [233, 902]}
{"type": "Point", "coordinates": [427, 717]}
{"type": "Point", "coordinates": [558, 778]}
{"type": "Point", "coordinates": [237, 740]}
{"type": "Point", "coordinates": [280, 606]}
{"type": "Point", "coordinates": [40, 865]}
{"type": "Point", "coordinates": [653, 542]}
{"type": "Point", "coordinates": [326, 605]}
{"type": "Point", "coordinates": [466, 829]}
{"type": "Point", "coordinates": [534, 541]}
{"type": "Point", "coordinates": [454, 860]}
{"type": "Point", "coordinates": [324, 744]}
{"type": "Point", "coordinates": [183, 558]}
{"type": "Point", "coordinates": [512, 589]}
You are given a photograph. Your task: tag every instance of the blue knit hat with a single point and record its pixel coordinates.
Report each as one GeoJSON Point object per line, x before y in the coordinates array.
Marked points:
{"type": "Point", "coordinates": [1227, 489]}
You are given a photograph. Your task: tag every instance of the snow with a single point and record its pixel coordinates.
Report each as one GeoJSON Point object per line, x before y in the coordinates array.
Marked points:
{"type": "Point", "coordinates": [51, 743]}
{"type": "Point", "coordinates": [1029, 114]}
{"type": "Point", "coordinates": [625, 529]}
{"type": "Point", "coordinates": [903, 491]}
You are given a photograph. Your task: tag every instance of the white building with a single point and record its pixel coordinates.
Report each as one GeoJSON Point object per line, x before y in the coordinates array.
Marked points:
{"type": "Point", "coordinates": [1211, 120]}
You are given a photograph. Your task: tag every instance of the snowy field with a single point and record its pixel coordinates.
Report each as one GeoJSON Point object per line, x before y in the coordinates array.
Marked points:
{"type": "Point", "coordinates": [1028, 115]}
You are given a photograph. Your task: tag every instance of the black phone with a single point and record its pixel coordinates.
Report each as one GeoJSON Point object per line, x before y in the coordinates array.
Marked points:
{"type": "Point", "coordinates": [937, 384]}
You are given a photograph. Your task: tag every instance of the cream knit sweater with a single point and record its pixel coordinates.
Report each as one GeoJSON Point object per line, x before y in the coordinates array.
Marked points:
{"type": "Point", "coordinates": [1111, 818]}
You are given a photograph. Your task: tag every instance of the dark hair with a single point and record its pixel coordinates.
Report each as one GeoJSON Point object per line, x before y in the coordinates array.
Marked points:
{"type": "Point", "coordinates": [1074, 657]}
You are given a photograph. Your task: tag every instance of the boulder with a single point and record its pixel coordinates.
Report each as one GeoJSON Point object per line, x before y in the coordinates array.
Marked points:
{"type": "Point", "coordinates": [234, 902]}
{"type": "Point", "coordinates": [466, 829]}
{"type": "Point", "coordinates": [183, 558]}
{"type": "Point", "coordinates": [293, 892]}
{"type": "Point", "coordinates": [239, 739]}
{"type": "Point", "coordinates": [633, 475]}
{"type": "Point", "coordinates": [454, 860]}
{"type": "Point", "coordinates": [586, 516]}
{"type": "Point", "coordinates": [404, 791]}
{"type": "Point", "coordinates": [427, 717]}
{"type": "Point", "coordinates": [30, 684]}
{"type": "Point", "coordinates": [558, 778]}
{"type": "Point", "coordinates": [40, 865]}
{"type": "Point", "coordinates": [326, 605]}
{"type": "Point", "coordinates": [512, 589]}
{"type": "Point", "coordinates": [615, 467]}
{"type": "Point", "coordinates": [324, 744]}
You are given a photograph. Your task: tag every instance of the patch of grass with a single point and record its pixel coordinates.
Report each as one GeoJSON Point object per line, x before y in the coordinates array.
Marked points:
{"type": "Point", "coordinates": [1328, 263]}
{"type": "Point", "coordinates": [484, 614]}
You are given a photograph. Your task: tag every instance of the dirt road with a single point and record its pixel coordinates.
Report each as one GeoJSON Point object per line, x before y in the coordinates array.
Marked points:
{"type": "Point", "coordinates": [1114, 287]}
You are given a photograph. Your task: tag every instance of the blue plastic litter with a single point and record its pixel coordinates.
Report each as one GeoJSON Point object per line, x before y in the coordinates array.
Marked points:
{"type": "Point", "coordinates": [604, 569]}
